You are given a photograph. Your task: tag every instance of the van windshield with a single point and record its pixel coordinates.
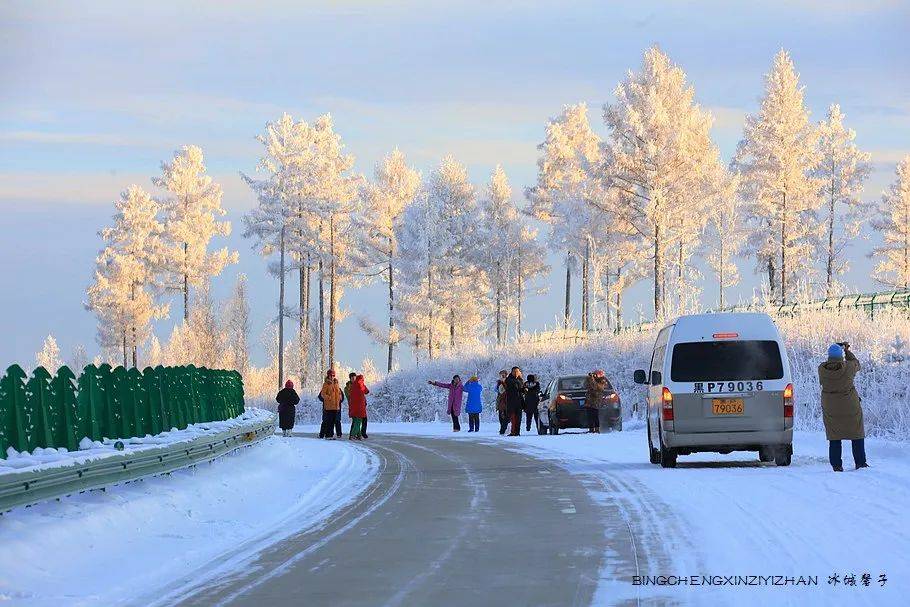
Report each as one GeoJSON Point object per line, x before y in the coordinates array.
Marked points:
{"type": "Point", "coordinates": [726, 360]}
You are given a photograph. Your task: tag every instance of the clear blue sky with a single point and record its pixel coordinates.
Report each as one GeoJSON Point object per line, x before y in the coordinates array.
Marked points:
{"type": "Point", "coordinates": [95, 95]}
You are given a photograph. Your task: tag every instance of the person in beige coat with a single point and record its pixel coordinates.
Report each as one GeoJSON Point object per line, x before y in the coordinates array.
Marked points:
{"type": "Point", "coordinates": [841, 407]}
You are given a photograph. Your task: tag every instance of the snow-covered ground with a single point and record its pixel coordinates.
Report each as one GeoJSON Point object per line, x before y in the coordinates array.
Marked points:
{"type": "Point", "coordinates": [730, 515]}
{"type": "Point", "coordinates": [90, 450]}
{"type": "Point", "coordinates": [106, 548]}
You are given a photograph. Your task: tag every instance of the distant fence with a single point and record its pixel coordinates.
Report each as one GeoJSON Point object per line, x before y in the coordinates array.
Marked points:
{"type": "Point", "coordinates": [870, 303]}
{"type": "Point", "coordinates": [59, 410]}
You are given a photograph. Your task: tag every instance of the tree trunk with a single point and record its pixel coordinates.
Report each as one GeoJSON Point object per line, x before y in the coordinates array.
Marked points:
{"type": "Point", "coordinates": [333, 292]}
{"type": "Point", "coordinates": [452, 328]}
{"type": "Point", "coordinates": [322, 314]}
{"type": "Point", "coordinates": [830, 265]}
{"type": "Point", "coordinates": [568, 290]}
{"type": "Point", "coordinates": [125, 349]}
{"type": "Point", "coordinates": [186, 284]}
{"type": "Point", "coordinates": [618, 300]}
{"type": "Point", "coordinates": [301, 324]}
{"type": "Point", "coordinates": [518, 298]}
{"type": "Point", "coordinates": [783, 252]}
{"type": "Point", "coordinates": [391, 311]}
{"type": "Point", "coordinates": [585, 289]}
{"type": "Point", "coordinates": [281, 310]}
{"type": "Point", "coordinates": [498, 306]}
{"type": "Point", "coordinates": [305, 320]}
{"type": "Point", "coordinates": [658, 274]}
{"type": "Point", "coordinates": [430, 312]}
{"type": "Point", "coordinates": [720, 275]}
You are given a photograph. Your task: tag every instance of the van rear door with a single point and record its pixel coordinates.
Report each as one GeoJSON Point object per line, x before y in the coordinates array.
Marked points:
{"type": "Point", "coordinates": [727, 386]}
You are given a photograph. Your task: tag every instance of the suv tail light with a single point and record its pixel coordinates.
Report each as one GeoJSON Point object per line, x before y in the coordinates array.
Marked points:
{"type": "Point", "coordinates": [667, 408]}
{"type": "Point", "coordinates": [788, 401]}
{"type": "Point", "coordinates": [613, 398]}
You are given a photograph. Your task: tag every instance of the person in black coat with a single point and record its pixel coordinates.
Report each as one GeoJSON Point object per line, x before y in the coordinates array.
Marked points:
{"type": "Point", "coordinates": [287, 407]}
{"type": "Point", "coordinates": [515, 388]}
{"type": "Point", "coordinates": [532, 399]}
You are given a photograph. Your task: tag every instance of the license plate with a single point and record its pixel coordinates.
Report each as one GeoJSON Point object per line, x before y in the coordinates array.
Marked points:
{"type": "Point", "coordinates": [727, 406]}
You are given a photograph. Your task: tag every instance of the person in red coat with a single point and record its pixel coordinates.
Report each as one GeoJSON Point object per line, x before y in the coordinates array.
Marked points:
{"type": "Point", "coordinates": [357, 407]}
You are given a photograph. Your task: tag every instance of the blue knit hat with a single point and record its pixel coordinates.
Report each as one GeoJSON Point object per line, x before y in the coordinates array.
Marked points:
{"type": "Point", "coordinates": [835, 351]}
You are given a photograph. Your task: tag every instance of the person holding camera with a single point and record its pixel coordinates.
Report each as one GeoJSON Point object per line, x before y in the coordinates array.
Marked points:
{"type": "Point", "coordinates": [841, 408]}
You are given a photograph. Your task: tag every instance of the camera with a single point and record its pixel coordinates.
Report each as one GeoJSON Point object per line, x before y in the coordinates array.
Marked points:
{"type": "Point", "coordinates": [844, 344]}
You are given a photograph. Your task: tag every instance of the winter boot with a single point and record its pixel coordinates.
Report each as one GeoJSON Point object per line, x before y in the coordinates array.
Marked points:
{"type": "Point", "coordinates": [838, 468]}
{"type": "Point", "coordinates": [863, 465]}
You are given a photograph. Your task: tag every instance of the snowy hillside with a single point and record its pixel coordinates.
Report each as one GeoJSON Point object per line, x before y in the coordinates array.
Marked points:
{"type": "Point", "coordinates": [882, 346]}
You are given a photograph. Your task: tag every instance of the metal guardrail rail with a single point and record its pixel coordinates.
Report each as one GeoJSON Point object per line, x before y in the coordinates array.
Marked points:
{"type": "Point", "coordinates": [30, 487]}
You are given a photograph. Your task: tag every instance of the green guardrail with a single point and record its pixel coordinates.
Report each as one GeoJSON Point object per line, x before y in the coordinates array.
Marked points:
{"type": "Point", "coordinates": [23, 488]}
{"type": "Point", "coordinates": [104, 402]}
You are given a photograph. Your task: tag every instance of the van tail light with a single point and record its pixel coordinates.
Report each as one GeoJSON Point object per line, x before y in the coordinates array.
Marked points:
{"type": "Point", "coordinates": [788, 401]}
{"type": "Point", "coordinates": [667, 408]}
{"type": "Point", "coordinates": [614, 398]}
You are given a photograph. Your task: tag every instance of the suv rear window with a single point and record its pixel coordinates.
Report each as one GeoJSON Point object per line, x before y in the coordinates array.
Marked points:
{"type": "Point", "coordinates": [726, 360]}
{"type": "Point", "coordinates": [573, 384]}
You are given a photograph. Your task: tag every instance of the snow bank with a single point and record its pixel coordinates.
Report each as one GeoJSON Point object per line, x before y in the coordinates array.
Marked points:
{"type": "Point", "coordinates": [731, 515]}
{"type": "Point", "coordinates": [112, 547]}
{"type": "Point", "coordinates": [880, 345]}
{"type": "Point", "coordinates": [90, 450]}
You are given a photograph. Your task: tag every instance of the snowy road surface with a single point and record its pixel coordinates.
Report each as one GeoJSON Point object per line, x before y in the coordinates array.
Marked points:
{"type": "Point", "coordinates": [447, 523]}
{"type": "Point", "coordinates": [114, 547]}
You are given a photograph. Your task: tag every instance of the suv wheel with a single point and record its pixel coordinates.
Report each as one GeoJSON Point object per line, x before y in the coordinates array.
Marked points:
{"type": "Point", "coordinates": [667, 454]}
{"type": "Point", "coordinates": [765, 454]}
{"type": "Point", "coordinates": [783, 454]}
{"type": "Point", "coordinates": [653, 454]}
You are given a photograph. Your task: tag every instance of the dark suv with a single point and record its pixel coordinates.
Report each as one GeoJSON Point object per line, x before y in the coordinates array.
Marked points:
{"type": "Point", "coordinates": [562, 405]}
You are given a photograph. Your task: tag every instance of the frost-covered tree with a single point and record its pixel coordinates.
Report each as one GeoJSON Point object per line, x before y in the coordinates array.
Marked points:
{"type": "Point", "coordinates": [892, 220]}
{"type": "Point", "coordinates": [49, 355]}
{"type": "Point", "coordinates": [569, 158]}
{"type": "Point", "coordinates": [191, 206]}
{"type": "Point", "coordinates": [724, 236]}
{"type": "Point", "coordinates": [453, 241]}
{"type": "Point", "coordinates": [842, 169]}
{"type": "Point", "coordinates": [236, 323]}
{"type": "Point", "coordinates": [78, 359]}
{"type": "Point", "coordinates": [155, 354]}
{"type": "Point", "coordinates": [659, 164]}
{"type": "Point", "coordinates": [510, 256]}
{"type": "Point", "coordinates": [385, 199]}
{"type": "Point", "coordinates": [204, 333]}
{"type": "Point", "coordinates": [127, 274]}
{"type": "Point", "coordinates": [276, 218]}
{"type": "Point", "coordinates": [777, 159]}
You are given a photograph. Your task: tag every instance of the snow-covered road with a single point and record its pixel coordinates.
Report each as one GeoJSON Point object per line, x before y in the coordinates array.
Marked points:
{"type": "Point", "coordinates": [732, 516]}
{"type": "Point", "coordinates": [109, 548]}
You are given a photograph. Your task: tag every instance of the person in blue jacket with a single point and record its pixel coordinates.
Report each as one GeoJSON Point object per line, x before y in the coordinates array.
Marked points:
{"type": "Point", "coordinates": [474, 405]}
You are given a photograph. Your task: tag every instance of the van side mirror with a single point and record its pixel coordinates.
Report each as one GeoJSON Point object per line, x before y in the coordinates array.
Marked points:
{"type": "Point", "coordinates": [640, 377]}
{"type": "Point", "coordinates": [656, 378]}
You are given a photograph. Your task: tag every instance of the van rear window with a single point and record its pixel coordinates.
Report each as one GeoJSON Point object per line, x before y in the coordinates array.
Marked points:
{"type": "Point", "coordinates": [726, 360]}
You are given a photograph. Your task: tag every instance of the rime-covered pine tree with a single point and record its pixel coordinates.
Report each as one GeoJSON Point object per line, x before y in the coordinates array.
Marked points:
{"type": "Point", "coordinates": [777, 159]}
{"type": "Point", "coordinates": [724, 235]}
{"type": "Point", "coordinates": [659, 163]}
{"type": "Point", "coordinates": [510, 256]}
{"type": "Point", "coordinates": [49, 355]}
{"type": "Point", "coordinates": [127, 274]}
{"type": "Point", "coordinates": [192, 206]}
{"type": "Point", "coordinates": [892, 221]}
{"type": "Point", "coordinates": [385, 199]}
{"type": "Point", "coordinates": [842, 169]}
{"type": "Point", "coordinates": [236, 323]}
{"type": "Point", "coordinates": [569, 158]}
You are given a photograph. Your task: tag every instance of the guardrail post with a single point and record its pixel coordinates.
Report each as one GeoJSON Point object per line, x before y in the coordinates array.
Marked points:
{"type": "Point", "coordinates": [12, 413]}
{"type": "Point", "coordinates": [37, 409]}
{"type": "Point", "coordinates": [63, 389]}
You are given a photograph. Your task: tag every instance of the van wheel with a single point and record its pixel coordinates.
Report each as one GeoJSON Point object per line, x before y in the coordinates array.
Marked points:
{"type": "Point", "coordinates": [783, 455]}
{"type": "Point", "coordinates": [765, 454]}
{"type": "Point", "coordinates": [653, 454]}
{"type": "Point", "coordinates": [667, 454]}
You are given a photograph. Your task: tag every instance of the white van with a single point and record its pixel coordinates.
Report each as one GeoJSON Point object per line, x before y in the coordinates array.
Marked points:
{"type": "Point", "coordinates": [719, 383]}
